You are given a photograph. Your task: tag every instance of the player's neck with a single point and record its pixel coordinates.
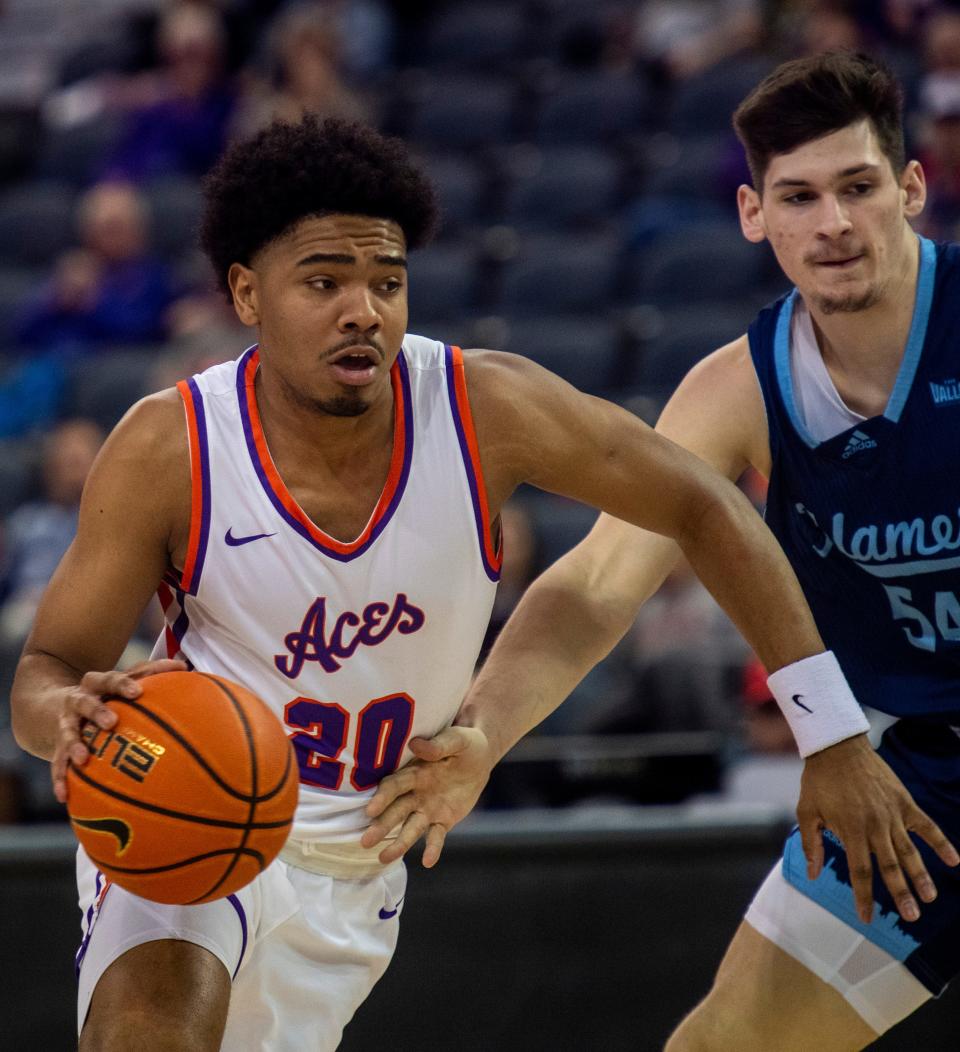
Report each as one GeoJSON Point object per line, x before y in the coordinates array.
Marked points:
{"type": "Point", "coordinates": [296, 431]}
{"type": "Point", "coordinates": [863, 349]}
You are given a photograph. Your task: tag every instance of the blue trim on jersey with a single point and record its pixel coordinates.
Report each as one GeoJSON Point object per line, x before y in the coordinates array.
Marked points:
{"type": "Point", "coordinates": [182, 623]}
{"type": "Point", "coordinates": [92, 913]}
{"type": "Point", "coordinates": [918, 330]}
{"type": "Point", "coordinates": [235, 902]}
{"type": "Point", "coordinates": [205, 495]}
{"type": "Point", "coordinates": [926, 273]}
{"type": "Point", "coordinates": [781, 355]}
{"type": "Point", "coordinates": [492, 572]}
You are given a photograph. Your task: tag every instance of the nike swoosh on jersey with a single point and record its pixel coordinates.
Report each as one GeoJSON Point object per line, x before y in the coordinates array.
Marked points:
{"type": "Point", "coordinates": [387, 914]}
{"type": "Point", "coordinates": [235, 542]}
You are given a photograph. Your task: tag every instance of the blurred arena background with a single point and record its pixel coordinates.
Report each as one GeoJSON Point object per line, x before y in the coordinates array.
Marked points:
{"type": "Point", "coordinates": [587, 170]}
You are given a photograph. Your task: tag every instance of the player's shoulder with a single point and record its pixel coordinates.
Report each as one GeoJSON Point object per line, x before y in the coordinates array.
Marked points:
{"type": "Point", "coordinates": [725, 377]}
{"type": "Point", "coordinates": [151, 436]}
{"type": "Point", "coordinates": [502, 372]}
{"type": "Point", "coordinates": [717, 410]}
{"type": "Point", "coordinates": [142, 473]}
{"type": "Point", "coordinates": [506, 387]}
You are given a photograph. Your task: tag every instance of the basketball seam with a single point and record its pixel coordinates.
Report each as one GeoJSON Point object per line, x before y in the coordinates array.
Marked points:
{"type": "Point", "coordinates": [187, 746]}
{"type": "Point", "coordinates": [255, 781]}
{"type": "Point", "coordinates": [177, 865]}
{"type": "Point", "coordinates": [157, 809]}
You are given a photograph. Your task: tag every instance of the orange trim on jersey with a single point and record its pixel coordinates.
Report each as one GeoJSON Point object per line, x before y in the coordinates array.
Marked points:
{"type": "Point", "coordinates": [196, 488]}
{"type": "Point", "coordinates": [287, 499]}
{"type": "Point", "coordinates": [494, 556]}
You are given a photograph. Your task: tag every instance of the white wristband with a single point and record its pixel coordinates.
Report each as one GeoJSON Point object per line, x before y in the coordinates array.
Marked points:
{"type": "Point", "coordinates": [817, 701]}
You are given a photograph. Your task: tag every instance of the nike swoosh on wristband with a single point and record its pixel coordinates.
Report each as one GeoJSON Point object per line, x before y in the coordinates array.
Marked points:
{"type": "Point", "coordinates": [235, 542]}
{"type": "Point", "coordinates": [796, 700]}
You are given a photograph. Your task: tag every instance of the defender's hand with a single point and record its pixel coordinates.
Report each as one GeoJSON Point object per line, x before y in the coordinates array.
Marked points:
{"type": "Point", "coordinates": [85, 703]}
{"type": "Point", "coordinates": [849, 790]}
{"type": "Point", "coordinates": [431, 794]}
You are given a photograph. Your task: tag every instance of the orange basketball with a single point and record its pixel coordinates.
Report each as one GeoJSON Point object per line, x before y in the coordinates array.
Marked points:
{"type": "Point", "coordinates": [192, 792]}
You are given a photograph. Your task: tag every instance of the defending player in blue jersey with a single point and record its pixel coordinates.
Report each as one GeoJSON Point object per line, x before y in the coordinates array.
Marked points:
{"type": "Point", "coordinates": [844, 394]}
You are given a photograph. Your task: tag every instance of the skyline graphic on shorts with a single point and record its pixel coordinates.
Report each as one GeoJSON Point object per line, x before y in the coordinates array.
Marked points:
{"type": "Point", "coordinates": [836, 895]}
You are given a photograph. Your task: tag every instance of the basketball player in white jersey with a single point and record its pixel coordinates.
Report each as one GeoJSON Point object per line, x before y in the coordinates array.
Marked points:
{"type": "Point", "coordinates": [836, 396]}
{"type": "Point", "coordinates": [320, 519]}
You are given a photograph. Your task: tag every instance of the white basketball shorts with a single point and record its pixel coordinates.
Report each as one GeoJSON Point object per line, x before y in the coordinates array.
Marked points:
{"type": "Point", "coordinates": [880, 989]}
{"type": "Point", "coordinates": [304, 949]}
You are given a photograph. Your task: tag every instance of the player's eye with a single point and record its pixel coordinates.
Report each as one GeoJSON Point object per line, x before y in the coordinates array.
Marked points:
{"type": "Point", "coordinates": [860, 189]}
{"type": "Point", "coordinates": [391, 285]}
{"type": "Point", "coordinates": [322, 283]}
{"type": "Point", "coordinates": [800, 198]}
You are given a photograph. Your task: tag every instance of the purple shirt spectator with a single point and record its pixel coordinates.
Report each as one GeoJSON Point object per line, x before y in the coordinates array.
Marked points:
{"type": "Point", "coordinates": [174, 136]}
{"type": "Point", "coordinates": [182, 129]}
{"type": "Point", "coordinates": [128, 306]}
{"type": "Point", "coordinates": [111, 290]}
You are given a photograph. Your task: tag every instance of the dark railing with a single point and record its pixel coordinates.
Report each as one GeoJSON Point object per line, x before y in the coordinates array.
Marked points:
{"type": "Point", "coordinates": [589, 928]}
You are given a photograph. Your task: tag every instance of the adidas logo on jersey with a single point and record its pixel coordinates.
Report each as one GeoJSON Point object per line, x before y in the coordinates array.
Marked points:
{"type": "Point", "coordinates": [945, 392]}
{"type": "Point", "coordinates": [858, 443]}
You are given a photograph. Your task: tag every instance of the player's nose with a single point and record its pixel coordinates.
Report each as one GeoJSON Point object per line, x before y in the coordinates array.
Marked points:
{"type": "Point", "coordinates": [359, 312]}
{"type": "Point", "coordinates": [833, 219]}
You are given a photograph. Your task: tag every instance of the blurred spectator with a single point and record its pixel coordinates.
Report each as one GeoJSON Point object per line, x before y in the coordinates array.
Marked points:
{"type": "Point", "coordinates": [686, 657]}
{"type": "Point", "coordinates": [766, 729]}
{"type": "Point", "coordinates": [829, 25]}
{"type": "Point", "coordinates": [367, 31]}
{"type": "Point", "coordinates": [940, 155]}
{"type": "Point", "coordinates": [307, 54]}
{"type": "Point", "coordinates": [684, 649]}
{"type": "Point", "coordinates": [111, 290]}
{"type": "Point", "coordinates": [767, 771]}
{"type": "Point", "coordinates": [899, 19]}
{"type": "Point", "coordinates": [180, 124]}
{"type": "Point", "coordinates": [691, 36]}
{"type": "Point", "coordinates": [204, 330]}
{"type": "Point", "coordinates": [941, 41]}
{"type": "Point", "coordinates": [37, 534]}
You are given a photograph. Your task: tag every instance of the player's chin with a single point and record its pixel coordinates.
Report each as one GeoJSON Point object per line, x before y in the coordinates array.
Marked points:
{"type": "Point", "coordinates": [848, 299]}
{"type": "Point", "coordinates": [352, 402]}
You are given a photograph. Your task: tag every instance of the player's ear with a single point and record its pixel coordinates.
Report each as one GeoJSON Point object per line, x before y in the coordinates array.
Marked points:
{"type": "Point", "coordinates": [243, 286]}
{"type": "Point", "coordinates": [913, 184]}
{"type": "Point", "coordinates": [751, 214]}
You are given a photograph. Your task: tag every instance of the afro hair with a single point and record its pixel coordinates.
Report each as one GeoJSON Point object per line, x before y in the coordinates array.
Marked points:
{"type": "Point", "coordinates": [264, 186]}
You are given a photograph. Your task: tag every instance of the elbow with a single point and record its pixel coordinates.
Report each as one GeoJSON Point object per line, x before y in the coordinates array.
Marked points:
{"type": "Point", "coordinates": [23, 719]}
{"type": "Point", "coordinates": [20, 724]}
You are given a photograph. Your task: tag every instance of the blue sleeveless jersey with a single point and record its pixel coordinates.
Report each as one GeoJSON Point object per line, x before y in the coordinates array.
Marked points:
{"type": "Point", "coordinates": [870, 519]}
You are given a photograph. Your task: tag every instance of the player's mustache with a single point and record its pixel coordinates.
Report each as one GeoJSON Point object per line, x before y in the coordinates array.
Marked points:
{"type": "Point", "coordinates": [834, 257]}
{"type": "Point", "coordinates": [354, 341]}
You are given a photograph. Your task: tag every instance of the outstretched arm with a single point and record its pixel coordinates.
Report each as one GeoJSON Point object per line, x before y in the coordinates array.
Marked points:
{"type": "Point", "coordinates": [574, 614]}
{"type": "Point", "coordinates": [578, 609]}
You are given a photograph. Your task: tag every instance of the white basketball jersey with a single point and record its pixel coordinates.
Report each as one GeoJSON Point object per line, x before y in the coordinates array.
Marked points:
{"type": "Point", "coordinates": [358, 646]}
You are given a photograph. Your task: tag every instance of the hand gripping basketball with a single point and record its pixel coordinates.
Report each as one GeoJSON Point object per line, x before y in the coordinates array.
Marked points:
{"type": "Point", "coordinates": [190, 794]}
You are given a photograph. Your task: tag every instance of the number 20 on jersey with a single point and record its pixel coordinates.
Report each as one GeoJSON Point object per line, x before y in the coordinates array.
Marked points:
{"type": "Point", "coordinates": [322, 730]}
